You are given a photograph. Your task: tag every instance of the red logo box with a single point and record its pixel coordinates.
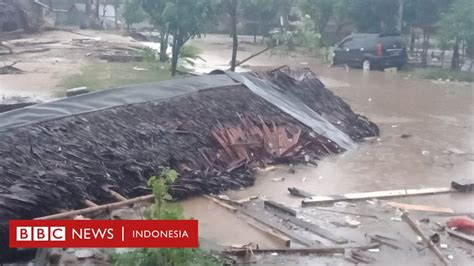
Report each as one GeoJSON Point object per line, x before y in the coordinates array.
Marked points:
{"type": "Point", "coordinates": [104, 233]}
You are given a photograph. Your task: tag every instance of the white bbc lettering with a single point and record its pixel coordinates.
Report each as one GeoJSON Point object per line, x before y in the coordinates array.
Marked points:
{"type": "Point", "coordinates": [40, 233]}
{"type": "Point", "coordinates": [23, 233]}
{"type": "Point", "coordinates": [57, 233]}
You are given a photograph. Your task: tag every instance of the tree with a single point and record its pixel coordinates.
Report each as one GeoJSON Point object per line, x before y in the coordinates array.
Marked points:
{"type": "Point", "coordinates": [261, 14]}
{"type": "Point", "coordinates": [235, 42]}
{"type": "Point", "coordinates": [320, 12]}
{"type": "Point", "coordinates": [424, 14]}
{"type": "Point", "coordinates": [374, 15]}
{"type": "Point", "coordinates": [186, 19]}
{"type": "Point", "coordinates": [88, 7]}
{"type": "Point", "coordinates": [132, 12]}
{"type": "Point", "coordinates": [155, 10]}
{"type": "Point", "coordinates": [457, 25]}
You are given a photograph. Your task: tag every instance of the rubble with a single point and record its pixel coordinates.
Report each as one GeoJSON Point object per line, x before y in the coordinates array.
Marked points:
{"type": "Point", "coordinates": [59, 161]}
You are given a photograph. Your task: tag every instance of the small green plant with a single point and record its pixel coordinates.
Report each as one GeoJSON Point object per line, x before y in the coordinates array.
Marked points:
{"type": "Point", "coordinates": [189, 54]}
{"type": "Point", "coordinates": [163, 208]}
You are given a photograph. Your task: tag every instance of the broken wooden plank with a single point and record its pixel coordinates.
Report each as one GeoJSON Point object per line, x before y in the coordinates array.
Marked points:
{"type": "Point", "coordinates": [314, 250]}
{"type": "Point", "coordinates": [244, 200]}
{"type": "Point", "coordinates": [299, 192]}
{"type": "Point", "coordinates": [267, 222]}
{"type": "Point", "coordinates": [109, 206]}
{"type": "Point", "coordinates": [469, 239]}
{"type": "Point", "coordinates": [90, 203]}
{"type": "Point", "coordinates": [413, 207]}
{"type": "Point", "coordinates": [425, 239]}
{"type": "Point", "coordinates": [384, 241]}
{"type": "Point", "coordinates": [376, 194]}
{"type": "Point", "coordinates": [280, 207]}
{"type": "Point", "coordinates": [313, 228]}
{"type": "Point", "coordinates": [116, 195]}
{"type": "Point", "coordinates": [253, 55]}
{"type": "Point", "coordinates": [220, 203]}
{"type": "Point", "coordinates": [284, 240]}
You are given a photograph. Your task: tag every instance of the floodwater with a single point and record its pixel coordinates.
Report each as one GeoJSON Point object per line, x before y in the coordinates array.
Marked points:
{"type": "Point", "coordinates": [436, 117]}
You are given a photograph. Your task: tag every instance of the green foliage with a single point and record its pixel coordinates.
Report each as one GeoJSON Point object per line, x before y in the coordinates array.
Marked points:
{"type": "Point", "coordinates": [307, 35]}
{"type": "Point", "coordinates": [103, 75]}
{"type": "Point", "coordinates": [263, 15]}
{"type": "Point", "coordinates": [163, 209]}
{"type": "Point", "coordinates": [320, 11]}
{"type": "Point", "coordinates": [458, 23]}
{"type": "Point", "coordinates": [374, 15]}
{"type": "Point", "coordinates": [133, 12]}
{"type": "Point", "coordinates": [189, 54]}
{"type": "Point", "coordinates": [149, 54]}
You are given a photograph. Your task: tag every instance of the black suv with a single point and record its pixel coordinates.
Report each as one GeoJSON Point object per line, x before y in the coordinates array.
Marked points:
{"type": "Point", "coordinates": [371, 51]}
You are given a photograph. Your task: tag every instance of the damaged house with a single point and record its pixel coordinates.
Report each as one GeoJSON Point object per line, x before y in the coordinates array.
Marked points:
{"type": "Point", "coordinates": [212, 129]}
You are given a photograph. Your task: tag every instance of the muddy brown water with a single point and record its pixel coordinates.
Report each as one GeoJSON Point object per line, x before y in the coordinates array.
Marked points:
{"type": "Point", "coordinates": [437, 119]}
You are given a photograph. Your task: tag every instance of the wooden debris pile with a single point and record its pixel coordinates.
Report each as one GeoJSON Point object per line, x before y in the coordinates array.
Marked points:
{"type": "Point", "coordinates": [249, 143]}
{"type": "Point", "coordinates": [110, 51]}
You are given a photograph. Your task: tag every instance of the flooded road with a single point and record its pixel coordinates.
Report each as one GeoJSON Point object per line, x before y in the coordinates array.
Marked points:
{"type": "Point", "coordinates": [426, 140]}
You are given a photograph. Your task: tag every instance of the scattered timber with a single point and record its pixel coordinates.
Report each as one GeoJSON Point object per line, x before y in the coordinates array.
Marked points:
{"type": "Point", "coordinates": [280, 207]}
{"type": "Point", "coordinates": [120, 57]}
{"type": "Point", "coordinates": [90, 203]}
{"type": "Point", "coordinates": [284, 240]}
{"type": "Point", "coordinates": [220, 203]}
{"type": "Point", "coordinates": [425, 239]}
{"type": "Point", "coordinates": [116, 195]}
{"type": "Point", "coordinates": [376, 194]}
{"type": "Point", "coordinates": [413, 207]}
{"type": "Point", "coordinates": [32, 50]}
{"type": "Point", "coordinates": [384, 241]}
{"type": "Point", "coordinates": [469, 239]}
{"type": "Point", "coordinates": [312, 228]}
{"type": "Point", "coordinates": [314, 250]}
{"type": "Point", "coordinates": [274, 226]}
{"type": "Point", "coordinates": [245, 200]}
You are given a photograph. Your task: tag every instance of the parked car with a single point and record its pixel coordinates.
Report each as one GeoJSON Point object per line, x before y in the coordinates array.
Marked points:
{"type": "Point", "coordinates": [371, 51]}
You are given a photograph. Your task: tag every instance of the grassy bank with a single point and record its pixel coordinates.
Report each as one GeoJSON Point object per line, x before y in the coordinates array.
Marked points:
{"type": "Point", "coordinates": [103, 75]}
{"type": "Point", "coordinates": [444, 74]}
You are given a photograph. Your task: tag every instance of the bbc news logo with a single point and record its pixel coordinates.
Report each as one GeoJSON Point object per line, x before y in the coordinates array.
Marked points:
{"type": "Point", "coordinates": [41, 233]}
{"type": "Point", "coordinates": [103, 233]}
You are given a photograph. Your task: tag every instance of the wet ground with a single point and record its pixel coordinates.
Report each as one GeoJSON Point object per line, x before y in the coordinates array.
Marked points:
{"type": "Point", "coordinates": [436, 119]}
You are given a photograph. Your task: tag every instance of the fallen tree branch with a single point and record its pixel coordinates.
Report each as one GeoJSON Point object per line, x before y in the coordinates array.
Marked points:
{"type": "Point", "coordinates": [252, 56]}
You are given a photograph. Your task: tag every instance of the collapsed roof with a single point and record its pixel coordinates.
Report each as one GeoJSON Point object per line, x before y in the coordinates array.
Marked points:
{"type": "Point", "coordinates": [212, 129]}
